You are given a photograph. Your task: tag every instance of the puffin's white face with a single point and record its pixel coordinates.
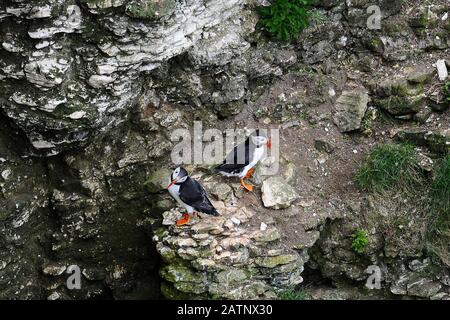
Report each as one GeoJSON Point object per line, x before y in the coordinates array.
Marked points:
{"type": "Point", "coordinates": [176, 173]}
{"type": "Point", "coordinates": [179, 175]}
{"type": "Point", "coordinates": [259, 140]}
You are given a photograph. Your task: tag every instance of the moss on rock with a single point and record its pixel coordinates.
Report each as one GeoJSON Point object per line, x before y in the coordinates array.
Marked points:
{"type": "Point", "coordinates": [180, 273]}
{"type": "Point", "coordinates": [272, 262]}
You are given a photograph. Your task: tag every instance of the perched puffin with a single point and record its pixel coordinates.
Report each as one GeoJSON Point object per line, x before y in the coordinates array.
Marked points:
{"type": "Point", "coordinates": [190, 194]}
{"type": "Point", "coordinates": [240, 162]}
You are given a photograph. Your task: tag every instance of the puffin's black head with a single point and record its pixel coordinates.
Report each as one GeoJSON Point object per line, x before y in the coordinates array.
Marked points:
{"type": "Point", "coordinates": [178, 176]}
{"type": "Point", "coordinates": [259, 138]}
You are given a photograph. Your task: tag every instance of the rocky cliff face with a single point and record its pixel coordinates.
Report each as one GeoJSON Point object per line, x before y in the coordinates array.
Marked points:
{"type": "Point", "coordinates": [74, 68]}
{"type": "Point", "coordinates": [90, 86]}
{"type": "Point", "coordinates": [91, 89]}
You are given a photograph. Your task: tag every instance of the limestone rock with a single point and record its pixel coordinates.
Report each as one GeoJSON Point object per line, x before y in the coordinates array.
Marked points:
{"type": "Point", "coordinates": [421, 76]}
{"type": "Point", "coordinates": [277, 193]}
{"type": "Point", "coordinates": [424, 288]}
{"type": "Point", "coordinates": [54, 269]}
{"type": "Point", "coordinates": [290, 173]}
{"type": "Point", "coordinates": [171, 217]}
{"type": "Point", "coordinates": [433, 140]}
{"type": "Point", "coordinates": [204, 263]}
{"type": "Point", "coordinates": [272, 262]}
{"type": "Point", "coordinates": [150, 9]}
{"type": "Point", "coordinates": [100, 76]}
{"type": "Point", "coordinates": [206, 226]}
{"type": "Point", "coordinates": [402, 106]}
{"type": "Point", "coordinates": [349, 110]}
{"type": "Point", "coordinates": [440, 296]}
{"type": "Point", "coordinates": [441, 70]}
{"type": "Point", "coordinates": [158, 180]}
{"type": "Point", "coordinates": [418, 266]}
{"type": "Point", "coordinates": [220, 190]}
{"type": "Point", "coordinates": [262, 170]}
{"type": "Point", "coordinates": [266, 235]}
{"type": "Point", "coordinates": [400, 98]}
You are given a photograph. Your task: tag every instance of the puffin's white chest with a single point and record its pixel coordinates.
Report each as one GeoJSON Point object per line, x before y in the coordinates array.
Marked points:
{"type": "Point", "coordinates": [174, 191]}
{"type": "Point", "coordinates": [258, 154]}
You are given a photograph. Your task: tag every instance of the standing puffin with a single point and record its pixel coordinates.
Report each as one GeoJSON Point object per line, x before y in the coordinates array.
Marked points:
{"type": "Point", "coordinates": [190, 194]}
{"type": "Point", "coordinates": [240, 162]}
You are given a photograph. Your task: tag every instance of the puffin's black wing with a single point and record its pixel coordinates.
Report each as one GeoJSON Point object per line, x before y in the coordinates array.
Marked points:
{"type": "Point", "coordinates": [233, 164]}
{"type": "Point", "coordinates": [193, 194]}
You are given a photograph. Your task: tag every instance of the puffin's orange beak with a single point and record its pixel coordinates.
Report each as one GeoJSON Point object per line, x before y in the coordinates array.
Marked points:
{"type": "Point", "coordinates": [269, 143]}
{"type": "Point", "coordinates": [172, 183]}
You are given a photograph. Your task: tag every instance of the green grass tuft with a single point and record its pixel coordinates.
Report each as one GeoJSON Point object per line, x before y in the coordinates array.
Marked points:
{"type": "Point", "coordinates": [284, 19]}
{"type": "Point", "coordinates": [293, 295]}
{"type": "Point", "coordinates": [440, 212]}
{"type": "Point", "coordinates": [440, 189]}
{"type": "Point", "coordinates": [360, 241]}
{"type": "Point", "coordinates": [389, 166]}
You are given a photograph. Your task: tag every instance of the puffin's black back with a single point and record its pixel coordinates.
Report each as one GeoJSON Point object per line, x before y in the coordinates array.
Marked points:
{"type": "Point", "coordinates": [231, 163]}
{"type": "Point", "coordinates": [193, 194]}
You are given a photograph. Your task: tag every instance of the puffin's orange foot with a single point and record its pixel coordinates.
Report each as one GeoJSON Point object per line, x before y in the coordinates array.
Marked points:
{"type": "Point", "coordinates": [249, 173]}
{"type": "Point", "coordinates": [248, 187]}
{"type": "Point", "coordinates": [186, 218]}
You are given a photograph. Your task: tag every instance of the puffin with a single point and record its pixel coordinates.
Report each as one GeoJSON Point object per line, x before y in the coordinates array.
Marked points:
{"type": "Point", "coordinates": [240, 162]}
{"type": "Point", "coordinates": [190, 194]}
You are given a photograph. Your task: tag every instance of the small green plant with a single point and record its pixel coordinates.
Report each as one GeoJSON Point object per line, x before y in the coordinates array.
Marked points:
{"type": "Point", "coordinates": [389, 166]}
{"type": "Point", "coordinates": [284, 19]}
{"type": "Point", "coordinates": [293, 295]}
{"type": "Point", "coordinates": [360, 241]}
{"type": "Point", "coordinates": [447, 91]}
{"type": "Point", "coordinates": [318, 16]}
